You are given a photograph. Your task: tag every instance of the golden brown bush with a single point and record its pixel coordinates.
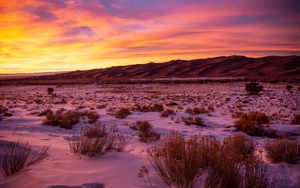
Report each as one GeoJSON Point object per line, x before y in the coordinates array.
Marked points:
{"type": "Point", "coordinates": [64, 119]}
{"type": "Point", "coordinates": [193, 121]}
{"type": "Point", "coordinates": [283, 150]}
{"type": "Point", "coordinates": [296, 119]}
{"type": "Point", "coordinates": [122, 113]}
{"type": "Point", "coordinates": [16, 156]}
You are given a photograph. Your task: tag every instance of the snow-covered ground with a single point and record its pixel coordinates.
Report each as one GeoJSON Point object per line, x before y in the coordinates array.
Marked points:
{"type": "Point", "coordinates": [120, 169]}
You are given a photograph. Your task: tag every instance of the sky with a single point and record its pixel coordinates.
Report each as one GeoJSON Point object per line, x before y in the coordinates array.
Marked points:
{"type": "Point", "coordinates": [64, 35]}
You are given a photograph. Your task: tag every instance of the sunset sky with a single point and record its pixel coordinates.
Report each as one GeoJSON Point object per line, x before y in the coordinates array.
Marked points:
{"type": "Point", "coordinates": [61, 35]}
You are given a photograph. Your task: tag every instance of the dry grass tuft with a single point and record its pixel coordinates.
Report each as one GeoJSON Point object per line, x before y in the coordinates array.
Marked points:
{"type": "Point", "coordinates": [146, 133]}
{"type": "Point", "coordinates": [64, 119]}
{"type": "Point", "coordinates": [167, 113]}
{"type": "Point", "coordinates": [193, 121]}
{"type": "Point", "coordinates": [283, 150]}
{"type": "Point", "coordinates": [122, 113]}
{"type": "Point", "coordinates": [97, 140]}
{"type": "Point", "coordinates": [16, 156]}
{"type": "Point", "coordinates": [251, 124]}
{"type": "Point", "coordinates": [197, 110]}
{"type": "Point", "coordinates": [180, 162]}
{"type": "Point", "coordinates": [239, 145]}
{"type": "Point", "coordinates": [296, 119]}
{"type": "Point", "coordinates": [177, 161]}
{"type": "Point", "coordinates": [92, 116]}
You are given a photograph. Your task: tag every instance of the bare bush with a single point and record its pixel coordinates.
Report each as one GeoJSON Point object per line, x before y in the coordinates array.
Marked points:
{"type": "Point", "coordinates": [250, 123]}
{"type": "Point", "coordinates": [197, 110]}
{"type": "Point", "coordinates": [64, 119]}
{"type": "Point", "coordinates": [193, 121]}
{"type": "Point", "coordinates": [180, 162]}
{"type": "Point", "coordinates": [239, 145]}
{"type": "Point", "coordinates": [167, 113]}
{"type": "Point", "coordinates": [122, 113]}
{"type": "Point", "coordinates": [92, 116]}
{"type": "Point", "coordinates": [283, 150]}
{"type": "Point", "coordinates": [236, 166]}
{"type": "Point", "coordinates": [16, 156]}
{"type": "Point", "coordinates": [146, 133]}
{"type": "Point", "coordinates": [296, 119]}
{"type": "Point", "coordinates": [97, 140]}
{"type": "Point", "coordinates": [253, 88]}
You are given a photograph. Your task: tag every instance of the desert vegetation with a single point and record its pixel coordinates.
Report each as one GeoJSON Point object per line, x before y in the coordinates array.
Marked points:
{"type": "Point", "coordinates": [97, 139]}
{"type": "Point", "coordinates": [62, 118]}
{"type": "Point", "coordinates": [15, 156]}
{"type": "Point", "coordinates": [251, 123]}
{"type": "Point", "coordinates": [253, 88]}
{"type": "Point", "coordinates": [122, 113]}
{"type": "Point", "coordinates": [296, 119]}
{"type": "Point", "coordinates": [146, 134]}
{"type": "Point", "coordinates": [190, 120]}
{"type": "Point", "coordinates": [181, 162]}
{"type": "Point", "coordinates": [219, 121]}
{"type": "Point", "coordinates": [283, 150]}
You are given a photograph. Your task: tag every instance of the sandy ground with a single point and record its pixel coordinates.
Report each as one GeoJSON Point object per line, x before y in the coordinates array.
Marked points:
{"type": "Point", "coordinates": [120, 169]}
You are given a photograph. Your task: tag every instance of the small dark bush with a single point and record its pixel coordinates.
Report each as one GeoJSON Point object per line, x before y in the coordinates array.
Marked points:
{"type": "Point", "coordinates": [193, 121]}
{"type": "Point", "coordinates": [296, 119]}
{"type": "Point", "coordinates": [122, 113]}
{"type": "Point", "coordinates": [16, 156]}
{"type": "Point", "coordinates": [146, 133]}
{"type": "Point", "coordinates": [196, 111]}
{"type": "Point", "coordinates": [177, 161]}
{"type": "Point", "coordinates": [289, 87]}
{"type": "Point", "coordinates": [240, 145]}
{"type": "Point", "coordinates": [50, 90]}
{"type": "Point", "coordinates": [64, 119]}
{"type": "Point", "coordinates": [92, 116]}
{"type": "Point", "coordinates": [142, 126]}
{"type": "Point", "coordinates": [251, 124]}
{"type": "Point", "coordinates": [167, 113]}
{"type": "Point", "coordinates": [283, 150]}
{"type": "Point", "coordinates": [97, 140]}
{"type": "Point", "coordinates": [253, 88]}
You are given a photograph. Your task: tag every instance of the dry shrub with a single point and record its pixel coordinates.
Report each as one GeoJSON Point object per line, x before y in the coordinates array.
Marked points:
{"type": "Point", "coordinates": [236, 166]}
{"type": "Point", "coordinates": [193, 121]}
{"type": "Point", "coordinates": [146, 133]}
{"type": "Point", "coordinates": [142, 126]}
{"type": "Point", "coordinates": [167, 113]}
{"type": "Point", "coordinates": [256, 174]}
{"type": "Point", "coordinates": [296, 119]}
{"type": "Point", "coordinates": [3, 109]}
{"type": "Point", "coordinates": [16, 156]}
{"type": "Point", "coordinates": [181, 162]}
{"type": "Point", "coordinates": [92, 116]}
{"type": "Point", "coordinates": [122, 113]}
{"type": "Point", "coordinates": [178, 161]}
{"type": "Point", "coordinates": [197, 110]}
{"type": "Point", "coordinates": [97, 140]}
{"type": "Point", "coordinates": [239, 145]}
{"type": "Point", "coordinates": [64, 119]}
{"type": "Point", "coordinates": [253, 88]}
{"type": "Point", "coordinates": [251, 124]}
{"type": "Point", "coordinates": [283, 150]}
